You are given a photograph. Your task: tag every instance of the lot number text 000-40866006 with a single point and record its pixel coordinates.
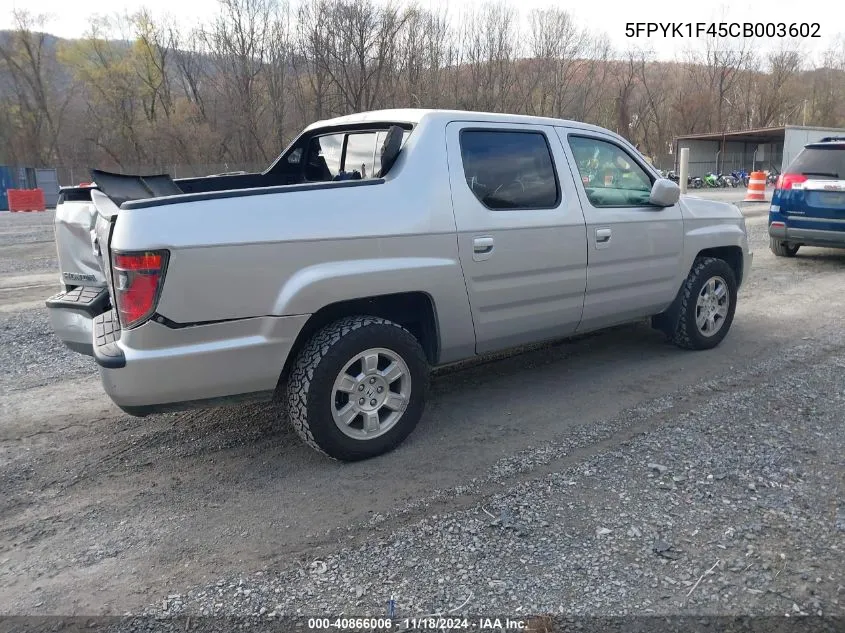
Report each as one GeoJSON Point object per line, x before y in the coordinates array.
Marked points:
{"type": "Point", "coordinates": [723, 29]}
{"type": "Point", "coordinates": [417, 623]}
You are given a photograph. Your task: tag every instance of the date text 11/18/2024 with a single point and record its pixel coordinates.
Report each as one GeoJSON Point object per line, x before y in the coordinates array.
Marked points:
{"type": "Point", "coordinates": [417, 624]}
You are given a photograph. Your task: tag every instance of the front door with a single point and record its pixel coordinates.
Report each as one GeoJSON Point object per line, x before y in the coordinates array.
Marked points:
{"type": "Point", "coordinates": [635, 249]}
{"type": "Point", "coordinates": [521, 234]}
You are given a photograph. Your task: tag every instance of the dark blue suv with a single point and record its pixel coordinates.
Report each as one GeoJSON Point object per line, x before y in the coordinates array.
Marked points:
{"type": "Point", "coordinates": [808, 206]}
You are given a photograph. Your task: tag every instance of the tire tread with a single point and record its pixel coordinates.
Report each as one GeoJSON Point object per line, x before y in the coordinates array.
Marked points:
{"type": "Point", "coordinates": [682, 336]}
{"type": "Point", "coordinates": [306, 363]}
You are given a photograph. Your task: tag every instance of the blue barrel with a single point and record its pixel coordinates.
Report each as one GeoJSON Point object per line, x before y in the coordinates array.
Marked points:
{"type": "Point", "coordinates": [8, 180]}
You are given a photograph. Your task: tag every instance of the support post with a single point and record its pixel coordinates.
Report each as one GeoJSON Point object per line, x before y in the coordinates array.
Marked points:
{"type": "Point", "coordinates": [684, 169]}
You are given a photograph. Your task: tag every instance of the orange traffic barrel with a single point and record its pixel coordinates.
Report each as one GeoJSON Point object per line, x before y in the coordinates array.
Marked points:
{"type": "Point", "coordinates": [756, 187]}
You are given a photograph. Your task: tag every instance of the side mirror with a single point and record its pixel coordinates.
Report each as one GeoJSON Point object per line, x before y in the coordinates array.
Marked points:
{"type": "Point", "coordinates": [664, 193]}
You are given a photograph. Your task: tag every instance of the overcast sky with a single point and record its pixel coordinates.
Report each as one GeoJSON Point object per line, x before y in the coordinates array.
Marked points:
{"type": "Point", "coordinates": [608, 16]}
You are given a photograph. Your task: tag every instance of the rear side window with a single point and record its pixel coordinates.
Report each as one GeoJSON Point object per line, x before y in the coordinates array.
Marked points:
{"type": "Point", "coordinates": [509, 170]}
{"type": "Point", "coordinates": [820, 162]}
{"type": "Point", "coordinates": [331, 154]}
{"type": "Point", "coordinates": [324, 157]}
{"type": "Point", "coordinates": [360, 154]}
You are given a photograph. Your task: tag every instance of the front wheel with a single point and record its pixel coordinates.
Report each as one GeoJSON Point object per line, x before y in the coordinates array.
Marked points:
{"type": "Point", "coordinates": [707, 305]}
{"type": "Point", "coordinates": [358, 388]}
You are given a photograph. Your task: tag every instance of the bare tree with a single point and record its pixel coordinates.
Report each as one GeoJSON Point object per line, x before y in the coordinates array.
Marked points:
{"type": "Point", "coordinates": [490, 38]}
{"type": "Point", "coordinates": [34, 77]}
{"type": "Point", "coordinates": [724, 63]}
{"type": "Point", "coordinates": [137, 93]}
{"type": "Point", "coordinates": [774, 91]}
{"type": "Point", "coordinates": [353, 44]}
{"type": "Point", "coordinates": [556, 46]}
{"type": "Point", "coordinates": [238, 44]}
{"type": "Point", "coordinates": [593, 76]}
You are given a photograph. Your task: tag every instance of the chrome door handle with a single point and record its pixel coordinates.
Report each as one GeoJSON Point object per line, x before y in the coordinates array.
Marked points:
{"type": "Point", "coordinates": [482, 244]}
{"type": "Point", "coordinates": [603, 235]}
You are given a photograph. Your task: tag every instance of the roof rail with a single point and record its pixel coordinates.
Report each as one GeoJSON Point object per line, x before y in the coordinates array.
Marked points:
{"type": "Point", "coordinates": [828, 139]}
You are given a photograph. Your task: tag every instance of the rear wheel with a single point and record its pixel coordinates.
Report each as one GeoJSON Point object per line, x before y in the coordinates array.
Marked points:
{"type": "Point", "coordinates": [783, 249]}
{"type": "Point", "coordinates": [358, 388]}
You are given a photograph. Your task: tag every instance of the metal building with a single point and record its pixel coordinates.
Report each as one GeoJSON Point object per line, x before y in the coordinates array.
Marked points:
{"type": "Point", "coordinates": [763, 149]}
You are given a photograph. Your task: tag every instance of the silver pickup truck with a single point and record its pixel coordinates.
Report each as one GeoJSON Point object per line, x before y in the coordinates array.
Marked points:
{"type": "Point", "coordinates": [377, 246]}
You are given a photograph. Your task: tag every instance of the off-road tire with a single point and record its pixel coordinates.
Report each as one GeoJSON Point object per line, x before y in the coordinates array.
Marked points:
{"type": "Point", "coordinates": [309, 387]}
{"type": "Point", "coordinates": [685, 333]}
{"type": "Point", "coordinates": [783, 249]}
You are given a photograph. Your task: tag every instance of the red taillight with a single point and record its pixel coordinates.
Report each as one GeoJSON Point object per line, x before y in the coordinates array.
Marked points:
{"type": "Point", "coordinates": [137, 282]}
{"type": "Point", "coordinates": [139, 261]}
{"type": "Point", "coordinates": [786, 181]}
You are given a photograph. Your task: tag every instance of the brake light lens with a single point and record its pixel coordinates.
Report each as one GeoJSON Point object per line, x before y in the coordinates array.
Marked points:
{"type": "Point", "coordinates": [786, 181]}
{"type": "Point", "coordinates": [138, 278]}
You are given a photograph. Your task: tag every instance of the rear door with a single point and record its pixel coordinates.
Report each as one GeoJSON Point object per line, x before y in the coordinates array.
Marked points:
{"type": "Point", "coordinates": [635, 249]}
{"type": "Point", "coordinates": [521, 234]}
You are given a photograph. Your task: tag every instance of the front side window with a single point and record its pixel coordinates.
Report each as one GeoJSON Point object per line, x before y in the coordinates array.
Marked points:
{"type": "Point", "coordinates": [611, 177]}
{"type": "Point", "coordinates": [509, 170]}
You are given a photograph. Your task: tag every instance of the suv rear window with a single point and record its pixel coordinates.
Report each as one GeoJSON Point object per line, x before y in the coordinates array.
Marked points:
{"type": "Point", "coordinates": [820, 162]}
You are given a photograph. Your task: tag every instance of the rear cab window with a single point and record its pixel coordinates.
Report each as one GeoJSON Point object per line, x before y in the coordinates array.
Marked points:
{"type": "Point", "coordinates": [610, 175]}
{"type": "Point", "coordinates": [355, 153]}
{"type": "Point", "coordinates": [509, 169]}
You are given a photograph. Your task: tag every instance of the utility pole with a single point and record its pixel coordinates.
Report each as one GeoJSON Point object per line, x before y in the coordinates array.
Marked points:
{"type": "Point", "coordinates": [804, 122]}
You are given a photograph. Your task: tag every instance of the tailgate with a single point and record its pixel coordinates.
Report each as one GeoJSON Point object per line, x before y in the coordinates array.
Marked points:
{"type": "Point", "coordinates": [816, 204]}
{"type": "Point", "coordinates": [74, 222]}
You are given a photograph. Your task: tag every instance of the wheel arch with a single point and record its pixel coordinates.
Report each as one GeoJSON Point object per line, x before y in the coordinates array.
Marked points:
{"type": "Point", "coordinates": [731, 255]}
{"type": "Point", "coordinates": [413, 310]}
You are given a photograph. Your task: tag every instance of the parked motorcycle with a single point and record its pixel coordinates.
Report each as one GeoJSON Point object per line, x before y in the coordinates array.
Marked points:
{"type": "Point", "coordinates": [741, 177]}
{"type": "Point", "coordinates": [732, 181]}
{"type": "Point", "coordinates": [695, 182]}
{"type": "Point", "coordinates": [711, 180]}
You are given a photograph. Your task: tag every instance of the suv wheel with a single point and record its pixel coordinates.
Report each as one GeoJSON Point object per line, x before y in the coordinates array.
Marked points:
{"type": "Point", "coordinates": [782, 249]}
{"type": "Point", "coordinates": [707, 305]}
{"type": "Point", "coordinates": [358, 388]}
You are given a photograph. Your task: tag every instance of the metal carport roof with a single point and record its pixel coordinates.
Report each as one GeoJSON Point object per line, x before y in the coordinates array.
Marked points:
{"type": "Point", "coordinates": [757, 135]}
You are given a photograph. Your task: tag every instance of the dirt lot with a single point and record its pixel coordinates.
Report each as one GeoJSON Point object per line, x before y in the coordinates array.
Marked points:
{"type": "Point", "coordinates": [603, 474]}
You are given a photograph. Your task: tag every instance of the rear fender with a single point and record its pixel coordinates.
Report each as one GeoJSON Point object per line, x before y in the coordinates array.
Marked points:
{"type": "Point", "coordinates": [314, 287]}
{"type": "Point", "coordinates": [318, 286]}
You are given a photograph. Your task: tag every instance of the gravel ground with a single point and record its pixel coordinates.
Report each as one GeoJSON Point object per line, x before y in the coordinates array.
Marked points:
{"type": "Point", "coordinates": [31, 355]}
{"type": "Point", "coordinates": [730, 507]}
{"type": "Point", "coordinates": [610, 475]}
{"type": "Point", "coordinates": [26, 242]}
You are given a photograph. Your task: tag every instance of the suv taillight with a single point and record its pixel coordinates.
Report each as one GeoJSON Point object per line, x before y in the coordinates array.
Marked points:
{"type": "Point", "coordinates": [785, 181]}
{"type": "Point", "coordinates": [138, 278]}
